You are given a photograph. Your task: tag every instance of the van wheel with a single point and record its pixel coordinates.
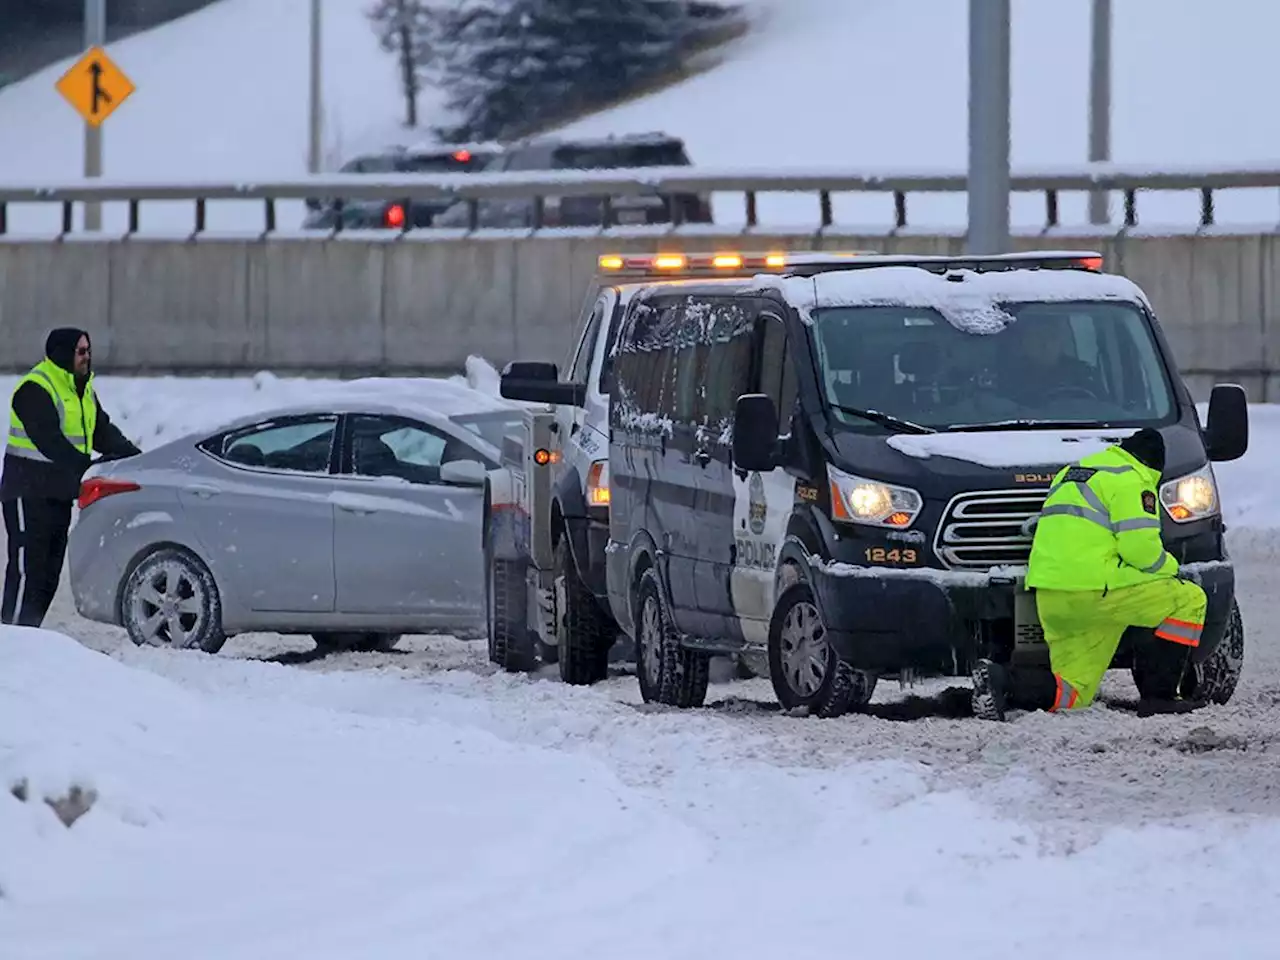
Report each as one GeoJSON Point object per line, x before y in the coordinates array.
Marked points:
{"type": "Point", "coordinates": [583, 633]}
{"type": "Point", "coordinates": [510, 644]}
{"type": "Point", "coordinates": [806, 671]}
{"type": "Point", "coordinates": [1161, 670]}
{"type": "Point", "coordinates": [668, 673]}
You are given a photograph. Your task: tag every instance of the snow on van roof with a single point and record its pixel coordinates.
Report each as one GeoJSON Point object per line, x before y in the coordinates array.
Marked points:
{"type": "Point", "coordinates": [972, 303]}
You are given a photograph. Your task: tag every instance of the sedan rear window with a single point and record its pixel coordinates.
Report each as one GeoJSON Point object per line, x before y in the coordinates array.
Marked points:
{"type": "Point", "coordinates": [607, 157]}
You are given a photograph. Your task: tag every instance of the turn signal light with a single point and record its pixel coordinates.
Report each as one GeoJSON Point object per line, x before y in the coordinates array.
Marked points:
{"type": "Point", "coordinates": [394, 217]}
{"type": "Point", "coordinates": [598, 484]}
{"type": "Point", "coordinates": [543, 456]}
{"type": "Point", "coordinates": [96, 488]}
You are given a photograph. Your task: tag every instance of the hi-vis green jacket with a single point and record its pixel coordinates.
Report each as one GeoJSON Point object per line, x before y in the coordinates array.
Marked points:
{"type": "Point", "coordinates": [1099, 528]}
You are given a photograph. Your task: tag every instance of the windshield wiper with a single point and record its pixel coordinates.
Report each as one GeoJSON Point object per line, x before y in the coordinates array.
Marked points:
{"type": "Point", "coordinates": [1031, 424]}
{"type": "Point", "coordinates": [896, 424]}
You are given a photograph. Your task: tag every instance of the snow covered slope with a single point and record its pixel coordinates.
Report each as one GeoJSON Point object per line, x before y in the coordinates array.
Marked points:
{"type": "Point", "coordinates": [866, 84]}
{"type": "Point", "coordinates": [257, 812]}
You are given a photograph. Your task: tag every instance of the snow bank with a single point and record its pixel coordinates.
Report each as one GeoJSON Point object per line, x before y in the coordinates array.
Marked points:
{"type": "Point", "coordinates": [155, 410]}
{"type": "Point", "coordinates": [234, 827]}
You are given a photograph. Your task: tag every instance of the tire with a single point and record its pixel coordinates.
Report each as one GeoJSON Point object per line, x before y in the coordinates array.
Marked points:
{"type": "Point", "coordinates": [170, 599]}
{"type": "Point", "coordinates": [511, 645]}
{"type": "Point", "coordinates": [1217, 677]}
{"type": "Point", "coordinates": [1162, 673]}
{"type": "Point", "coordinates": [584, 634]}
{"type": "Point", "coordinates": [806, 671]}
{"type": "Point", "coordinates": [668, 673]}
{"type": "Point", "coordinates": [362, 641]}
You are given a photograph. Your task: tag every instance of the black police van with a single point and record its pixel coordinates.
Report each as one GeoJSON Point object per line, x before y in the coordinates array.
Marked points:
{"type": "Point", "coordinates": [834, 472]}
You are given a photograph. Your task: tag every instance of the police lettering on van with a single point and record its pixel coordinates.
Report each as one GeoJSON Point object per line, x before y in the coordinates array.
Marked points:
{"type": "Point", "coordinates": [834, 471]}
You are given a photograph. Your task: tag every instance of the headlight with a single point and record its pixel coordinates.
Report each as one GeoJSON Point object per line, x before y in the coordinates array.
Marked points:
{"type": "Point", "coordinates": [856, 499]}
{"type": "Point", "coordinates": [1192, 497]}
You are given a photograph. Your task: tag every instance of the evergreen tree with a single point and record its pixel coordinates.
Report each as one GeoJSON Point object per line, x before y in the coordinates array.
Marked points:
{"type": "Point", "coordinates": [406, 28]}
{"type": "Point", "coordinates": [509, 66]}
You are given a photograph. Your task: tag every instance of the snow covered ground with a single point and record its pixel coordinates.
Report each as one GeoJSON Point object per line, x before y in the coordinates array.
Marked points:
{"type": "Point", "coordinates": [266, 802]}
{"type": "Point", "coordinates": [868, 85]}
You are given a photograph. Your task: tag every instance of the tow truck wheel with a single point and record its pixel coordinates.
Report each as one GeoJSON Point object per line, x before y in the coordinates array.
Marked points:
{"type": "Point", "coordinates": [806, 670]}
{"type": "Point", "coordinates": [1161, 671]}
{"type": "Point", "coordinates": [583, 633]}
{"type": "Point", "coordinates": [668, 673]}
{"type": "Point", "coordinates": [510, 645]}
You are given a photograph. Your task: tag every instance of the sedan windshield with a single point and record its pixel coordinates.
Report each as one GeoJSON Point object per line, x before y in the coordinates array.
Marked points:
{"type": "Point", "coordinates": [909, 370]}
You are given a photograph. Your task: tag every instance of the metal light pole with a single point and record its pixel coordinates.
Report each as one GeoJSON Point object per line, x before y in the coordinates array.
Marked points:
{"type": "Point", "coordinates": [95, 35]}
{"type": "Point", "coordinates": [315, 105]}
{"type": "Point", "coordinates": [1100, 103]}
{"type": "Point", "coordinates": [988, 126]}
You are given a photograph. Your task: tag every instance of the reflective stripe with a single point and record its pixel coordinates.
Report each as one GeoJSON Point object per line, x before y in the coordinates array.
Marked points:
{"type": "Point", "coordinates": [26, 454]}
{"type": "Point", "coordinates": [1065, 696]}
{"type": "Point", "coordinates": [1071, 510]}
{"type": "Point", "coordinates": [1164, 555]}
{"type": "Point", "coordinates": [17, 434]}
{"type": "Point", "coordinates": [1137, 523]}
{"type": "Point", "coordinates": [1180, 631]}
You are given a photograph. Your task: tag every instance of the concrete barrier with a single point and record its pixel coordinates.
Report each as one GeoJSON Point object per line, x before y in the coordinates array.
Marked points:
{"type": "Point", "coordinates": [372, 305]}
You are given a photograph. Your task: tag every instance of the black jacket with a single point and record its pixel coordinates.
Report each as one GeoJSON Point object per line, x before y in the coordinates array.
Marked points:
{"type": "Point", "coordinates": [59, 479]}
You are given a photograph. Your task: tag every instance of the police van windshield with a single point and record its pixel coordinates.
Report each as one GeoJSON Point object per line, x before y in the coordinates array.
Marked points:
{"type": "Point", "coordinates": [1046, 365]}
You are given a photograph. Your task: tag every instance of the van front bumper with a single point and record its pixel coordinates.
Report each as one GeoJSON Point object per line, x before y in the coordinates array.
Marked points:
{"type": "Point", "coordinates": [886, 620]}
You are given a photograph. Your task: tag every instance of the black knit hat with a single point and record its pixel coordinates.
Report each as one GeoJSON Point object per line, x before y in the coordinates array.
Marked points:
{"type": "Point", "coordinates": [1147, 447]}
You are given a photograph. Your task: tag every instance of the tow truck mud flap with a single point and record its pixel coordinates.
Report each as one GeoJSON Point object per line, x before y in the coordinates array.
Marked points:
{"type": "Point", "coordinates": [1029, 648]}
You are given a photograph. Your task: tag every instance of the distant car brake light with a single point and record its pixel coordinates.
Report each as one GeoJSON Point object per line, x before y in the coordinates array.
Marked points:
{"type": "Point", "coordinates": [394, 217]}
{"type": "Point", "coordinates": [96, 488]}
{"type": "Point", "coordinates": [462, 156]}
{"type": "Point", "coordinates": [1092, 263]}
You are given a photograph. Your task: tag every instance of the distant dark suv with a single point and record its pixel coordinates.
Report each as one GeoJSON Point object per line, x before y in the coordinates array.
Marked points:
{"type": "Point", "coordinates": [612, 153]}
{"type": "Point", "coordinates": [389, 214]}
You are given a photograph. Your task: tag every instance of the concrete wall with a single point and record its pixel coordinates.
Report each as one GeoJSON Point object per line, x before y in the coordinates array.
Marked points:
{"type": "Point", "coordinates": [361, 306]}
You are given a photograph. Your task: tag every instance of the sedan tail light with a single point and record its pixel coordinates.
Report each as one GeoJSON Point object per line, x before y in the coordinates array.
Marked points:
{"type": "Point", "coordinates": [95, 488]}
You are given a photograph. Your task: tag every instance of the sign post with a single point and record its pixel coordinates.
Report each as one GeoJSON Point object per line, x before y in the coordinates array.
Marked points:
{"type": "Point", "coordinates": [96, 88]}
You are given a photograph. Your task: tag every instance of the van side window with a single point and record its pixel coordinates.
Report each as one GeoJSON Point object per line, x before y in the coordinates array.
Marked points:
{"type": "Point", "coordinates": [727, 377]}
{"type": "Point", "coordinates": [777, 369]}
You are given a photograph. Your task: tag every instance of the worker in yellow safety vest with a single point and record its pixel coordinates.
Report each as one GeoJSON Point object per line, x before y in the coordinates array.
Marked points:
{"type": "Point", "coordinates": [1098, 566]}
{"type": "Point", "coordinates": [55, 425]}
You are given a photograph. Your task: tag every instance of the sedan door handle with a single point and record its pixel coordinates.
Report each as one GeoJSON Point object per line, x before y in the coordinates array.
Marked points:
{"type": "Point", "coordinates": [354, 506]}
{"type": "Point", "coordinates": [202, 490]}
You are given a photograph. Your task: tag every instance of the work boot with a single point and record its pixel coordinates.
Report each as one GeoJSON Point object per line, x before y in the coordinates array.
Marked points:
{"type": "Point", "coordinates": [1151, 708]}
{"type": "Point", "coordinates": [990, 690]}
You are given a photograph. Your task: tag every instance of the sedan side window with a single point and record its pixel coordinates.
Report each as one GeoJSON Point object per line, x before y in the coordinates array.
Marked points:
{"type": "Point", "coordinates": [301, 445]}
{"type": "Point", "coordinates": [396, 447]}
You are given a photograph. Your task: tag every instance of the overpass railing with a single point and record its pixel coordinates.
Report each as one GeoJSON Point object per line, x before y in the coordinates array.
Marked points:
{"type": "Point", "coordinates": [666, 182]}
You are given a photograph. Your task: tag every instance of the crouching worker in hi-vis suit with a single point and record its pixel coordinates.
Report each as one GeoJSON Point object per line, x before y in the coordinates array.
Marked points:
{"type": "Point", "coordinates": [1098, 566]}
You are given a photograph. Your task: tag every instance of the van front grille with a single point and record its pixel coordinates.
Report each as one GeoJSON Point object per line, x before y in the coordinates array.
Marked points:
{"type": "Point", "coordinates": [983, 529]}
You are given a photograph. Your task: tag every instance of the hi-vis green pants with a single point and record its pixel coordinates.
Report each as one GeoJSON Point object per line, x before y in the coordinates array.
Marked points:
{"type": "Point", "coordinates": [1083, 629]}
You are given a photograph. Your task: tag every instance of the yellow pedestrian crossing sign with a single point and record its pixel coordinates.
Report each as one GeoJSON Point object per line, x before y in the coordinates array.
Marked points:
{"type": "Point", "coordinates": [95, 86]}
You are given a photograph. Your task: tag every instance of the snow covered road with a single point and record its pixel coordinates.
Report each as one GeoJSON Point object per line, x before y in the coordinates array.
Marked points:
{"type": "Point", "coordinates": [264, 803]}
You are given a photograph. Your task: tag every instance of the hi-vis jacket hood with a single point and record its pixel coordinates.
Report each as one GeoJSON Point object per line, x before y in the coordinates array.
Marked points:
{"type": "Point", "coordinates": [1099, 528]}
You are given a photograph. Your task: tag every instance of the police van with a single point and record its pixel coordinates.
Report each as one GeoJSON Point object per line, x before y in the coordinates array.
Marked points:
{"type": "Point", "coordinates": [835, 471]}
{"type": "Point", "coordinates": [546, 518]}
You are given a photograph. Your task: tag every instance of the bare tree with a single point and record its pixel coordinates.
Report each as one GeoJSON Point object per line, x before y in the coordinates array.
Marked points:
{"type": "Point", "coordinates": [407, 29]}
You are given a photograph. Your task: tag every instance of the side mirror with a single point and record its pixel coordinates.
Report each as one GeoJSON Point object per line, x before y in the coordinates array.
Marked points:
{"type": "Point", "coordinates": [755, 433]}
{"type": "Point", "coordinates": [312, 203]}
{"type": "Point", "coordinates": [1227, 432]}
{"type": "Point", "coordinates": [463, 473]}
{"type": "Point", "coordinates": [536, 382]}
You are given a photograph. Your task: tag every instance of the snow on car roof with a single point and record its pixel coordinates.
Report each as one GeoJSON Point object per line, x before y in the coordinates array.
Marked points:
{"type": "Point", "coordinates": [973, 303]}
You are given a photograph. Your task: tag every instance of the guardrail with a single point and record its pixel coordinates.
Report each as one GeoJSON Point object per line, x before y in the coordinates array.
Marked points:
{"type": "Point", "coordinates": [664, 182]}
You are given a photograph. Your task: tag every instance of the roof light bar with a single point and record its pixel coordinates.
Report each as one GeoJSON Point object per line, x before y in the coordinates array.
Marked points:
{"type": "Point", "coordinates": [710, 264]}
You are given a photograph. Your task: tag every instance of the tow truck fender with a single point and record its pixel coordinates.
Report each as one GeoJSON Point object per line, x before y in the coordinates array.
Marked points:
{"type": "Point", "coordinates": [571, 505]}
{"type": "Point", "coordinates": [506, 525]}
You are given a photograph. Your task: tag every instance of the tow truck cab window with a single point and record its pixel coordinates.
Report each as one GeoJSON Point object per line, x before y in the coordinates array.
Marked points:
{"type": "Point", "coordinates": [1080, 361]}
{"type": "Point", "coordinates": [581, 370]}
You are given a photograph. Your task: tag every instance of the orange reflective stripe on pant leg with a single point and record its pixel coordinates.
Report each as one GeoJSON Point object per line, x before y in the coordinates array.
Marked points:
{"type": "Point", "coordinates": [1065, 698]}
{"type": "Point", "coordinates": [1180, 631]}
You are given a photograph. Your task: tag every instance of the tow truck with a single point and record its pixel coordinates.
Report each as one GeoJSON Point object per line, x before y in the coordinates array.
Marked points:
{"type": "Point", "coordinates": [546, 507]}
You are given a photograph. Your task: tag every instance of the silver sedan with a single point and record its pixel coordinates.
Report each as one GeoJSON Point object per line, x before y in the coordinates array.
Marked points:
{"type": "Point", "coordinates": [355, 520]}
